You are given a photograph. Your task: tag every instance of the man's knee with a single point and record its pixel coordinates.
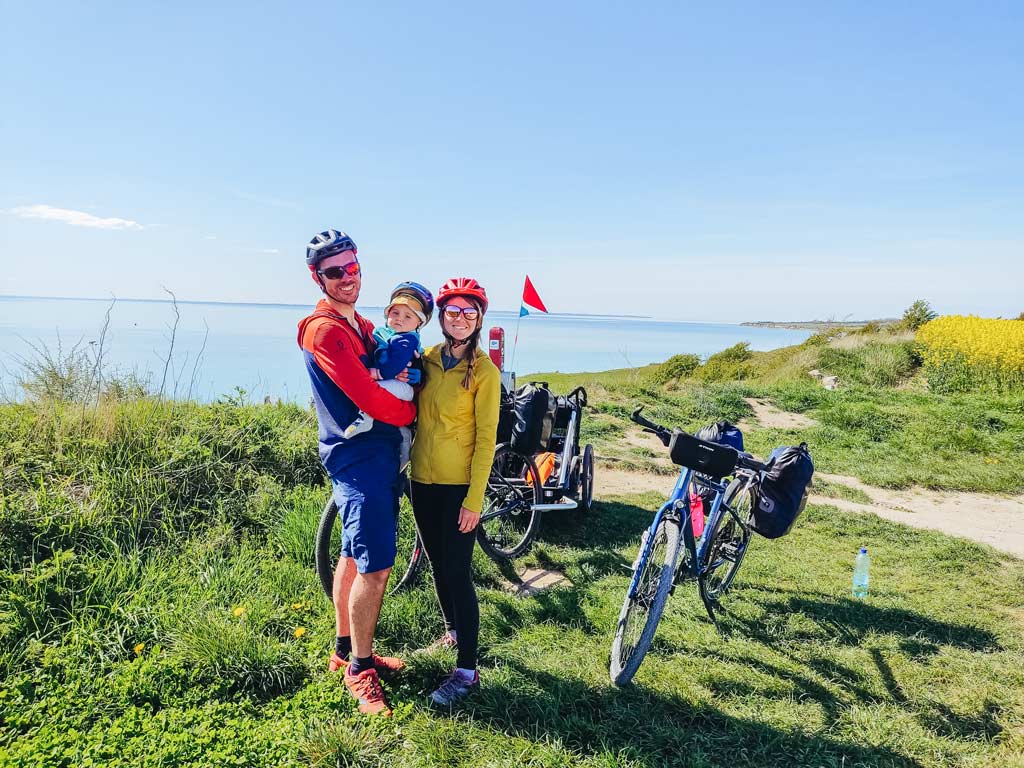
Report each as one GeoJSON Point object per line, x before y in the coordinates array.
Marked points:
{"type": "Point", "coordinates": [376, 578]}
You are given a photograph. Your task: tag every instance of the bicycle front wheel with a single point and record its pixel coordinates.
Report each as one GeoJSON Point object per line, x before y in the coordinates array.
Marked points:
{"type": "Point", "coordinates": [508, 521]}
{"type": "Point", "coordinates": [726, 544]}
{"type": "Point", "coordinates": [642, 611]}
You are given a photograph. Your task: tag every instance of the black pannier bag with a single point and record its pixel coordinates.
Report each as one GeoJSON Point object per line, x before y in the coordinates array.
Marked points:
{"type": "Point", "coordinates": [506, 416]}
{"type": "Point", "coordinates": [533, 419]}
{"type": "Point", "coordinates": [781, 496]}
{"type": "Point", "coordinates": [711, 459]}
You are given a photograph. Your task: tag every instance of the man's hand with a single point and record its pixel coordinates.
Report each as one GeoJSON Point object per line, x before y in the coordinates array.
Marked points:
{"type": "Point", "coordinates": [375, 374]}
{"type": "Point", "coordinates": [468, 520]}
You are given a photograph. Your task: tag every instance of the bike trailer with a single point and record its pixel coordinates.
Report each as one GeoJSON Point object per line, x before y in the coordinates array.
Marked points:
{"type": "Point", "coordinates": [780, 497]}
{"type": "Point", "coordinates": [711, 459]}
{"type": "Point", "coordinates": [533, 418]}
{"type": "Point", "coordinates": [722, 432]}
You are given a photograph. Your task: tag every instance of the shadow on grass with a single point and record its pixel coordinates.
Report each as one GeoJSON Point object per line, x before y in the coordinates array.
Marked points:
{"type": "Point", "coordinates": [610, 524]}
{"type": "Point", "coordinates": [653, 729]}
{"type": "Point", "coordinates": [848, 621]}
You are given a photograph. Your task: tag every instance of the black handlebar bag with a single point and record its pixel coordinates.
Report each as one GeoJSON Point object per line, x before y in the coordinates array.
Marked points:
{"type": "Point", "coordinates": [711, 459]}
{"type": "Point", "coordinates": [782, 494]}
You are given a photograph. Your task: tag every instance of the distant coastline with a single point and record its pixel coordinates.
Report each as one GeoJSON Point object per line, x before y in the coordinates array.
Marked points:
{"type": "Point", "coordinates": [814, 325]}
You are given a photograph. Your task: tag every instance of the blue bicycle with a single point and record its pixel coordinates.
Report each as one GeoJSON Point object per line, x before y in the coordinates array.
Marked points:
{"type": "Point", "coordinates": [669, 551]}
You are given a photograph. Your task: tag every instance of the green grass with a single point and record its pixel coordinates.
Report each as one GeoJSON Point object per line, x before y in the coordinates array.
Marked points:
{"type": "Point", "coordinates": [158, 604]}
{"type": "Point", "coordinates": [840, 491]}
{"type": "Point", "coordinates": [882, 425]}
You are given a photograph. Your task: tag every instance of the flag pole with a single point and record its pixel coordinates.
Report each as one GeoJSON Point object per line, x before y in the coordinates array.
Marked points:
{"type": "Point", "coordinates": [515, 343]}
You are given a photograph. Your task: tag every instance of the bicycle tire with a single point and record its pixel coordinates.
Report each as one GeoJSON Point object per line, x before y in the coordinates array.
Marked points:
{"type": "Point", "coordinates": [508, 520]}
{"type": "Point", "coordinates": [727, 544]}
{"type": "Point", "coordinates": [416, 562]}
{"type": "Point", "coordinates": [322, 549]}
{"type": "Point", "coordinates": [643, 610]}
{"type": "Point", "coordinates": [587, 478]}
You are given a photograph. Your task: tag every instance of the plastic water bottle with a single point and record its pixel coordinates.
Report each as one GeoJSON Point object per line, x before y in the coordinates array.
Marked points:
{"type": "Point", "coordinates": [861, 567]}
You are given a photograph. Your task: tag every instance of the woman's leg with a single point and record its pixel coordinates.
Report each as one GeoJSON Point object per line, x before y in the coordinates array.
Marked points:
{"type": "Point", "coordinates": [458, 548]}
{"type": "Point", "coordinates": [427, 509]}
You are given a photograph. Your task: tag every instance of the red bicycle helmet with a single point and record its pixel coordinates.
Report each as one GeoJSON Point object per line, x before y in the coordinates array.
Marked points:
{"type": "Point", "coordinates": [466, 287]}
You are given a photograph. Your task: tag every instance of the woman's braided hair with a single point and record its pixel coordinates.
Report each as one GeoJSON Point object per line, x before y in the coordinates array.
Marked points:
{"type": "Point", "coordinates": [472, 343]}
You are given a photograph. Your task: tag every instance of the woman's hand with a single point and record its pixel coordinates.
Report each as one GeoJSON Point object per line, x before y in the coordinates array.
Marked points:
{"type": "Point", "coordinates": [468, 520]}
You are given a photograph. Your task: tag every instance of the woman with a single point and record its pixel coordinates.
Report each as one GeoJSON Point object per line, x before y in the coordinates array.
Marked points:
{"type": "Point", "coordinates": [451, 460]}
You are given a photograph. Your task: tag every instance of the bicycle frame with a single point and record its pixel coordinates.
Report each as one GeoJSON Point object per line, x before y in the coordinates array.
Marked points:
{"type": "Point", "coordinates": [679, 504]}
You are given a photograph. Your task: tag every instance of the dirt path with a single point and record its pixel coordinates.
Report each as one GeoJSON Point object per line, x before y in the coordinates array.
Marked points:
{"type": "Point", "coordinates": [994, 520]}
{"type": "Point", "coordinates": [767, 415]}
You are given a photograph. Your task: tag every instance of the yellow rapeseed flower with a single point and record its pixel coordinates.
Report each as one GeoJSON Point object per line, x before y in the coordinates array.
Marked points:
{"type": "Point", "coordinates": [298, 606]}
{"type": "Point", "coordinates": [139, 648]}
{"type": "Point", "coordinates": [239, 611]}
{"type": "Point", "coordinates": [992, 346]}
{"type": "Point", "coordinates": [299, 632]}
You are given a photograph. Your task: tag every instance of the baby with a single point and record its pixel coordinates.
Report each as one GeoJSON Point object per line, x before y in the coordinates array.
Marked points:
{"type": "Point", "coordinates": [398, 346]}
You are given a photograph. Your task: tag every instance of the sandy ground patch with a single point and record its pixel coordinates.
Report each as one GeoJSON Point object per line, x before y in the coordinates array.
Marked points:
{"type": "Point", "coordinates": [767, 415]}
{"type": "Point", "coordinates": [534, 580]}
{"type": "Point", "coordinates": [994, 520]}
{"type": "Point", "coordinates": [617, 482]}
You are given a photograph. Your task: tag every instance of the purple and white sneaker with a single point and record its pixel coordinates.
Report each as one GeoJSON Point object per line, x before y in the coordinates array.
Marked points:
{"type": "Point", "coordinates": [455, 688]}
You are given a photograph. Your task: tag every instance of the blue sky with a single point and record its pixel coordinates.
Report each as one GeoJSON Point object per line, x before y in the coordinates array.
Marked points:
{"type": "Point", "coordinates": [729, 161]}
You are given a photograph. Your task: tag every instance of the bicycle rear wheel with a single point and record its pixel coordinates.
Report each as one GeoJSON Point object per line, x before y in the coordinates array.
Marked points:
{"type": "Point", "coordinates": [726, 544]}
{"type": "Point", "coordinates": [508, 521]}
{"type": "Point", "coordinates": [642, 611]}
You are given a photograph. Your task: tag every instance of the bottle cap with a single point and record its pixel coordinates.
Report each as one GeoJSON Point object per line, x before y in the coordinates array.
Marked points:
{"type": "Point", "coordinates": [863, 550]}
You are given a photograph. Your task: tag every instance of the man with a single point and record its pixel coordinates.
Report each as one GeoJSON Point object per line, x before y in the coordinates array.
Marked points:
{"type": "Point", "coordinates": [338, 346]}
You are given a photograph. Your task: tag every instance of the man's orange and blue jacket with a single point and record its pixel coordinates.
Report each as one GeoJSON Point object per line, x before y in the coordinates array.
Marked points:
{"type": "Point", "coordinates": [337, 359]}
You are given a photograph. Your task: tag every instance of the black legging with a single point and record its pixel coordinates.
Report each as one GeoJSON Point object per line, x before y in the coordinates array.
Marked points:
{"type": "Point", "coordinates": [436, 509]}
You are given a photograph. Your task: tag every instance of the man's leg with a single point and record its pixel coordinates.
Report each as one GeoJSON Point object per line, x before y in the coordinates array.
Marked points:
{"type": "Point", "coordinates": [344, 575]}
{"type": "Point", "coordinates": [363, 609]}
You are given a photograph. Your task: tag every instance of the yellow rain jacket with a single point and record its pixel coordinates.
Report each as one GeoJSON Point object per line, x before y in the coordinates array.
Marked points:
{"type": "Point", "coordinates": [457, 428]}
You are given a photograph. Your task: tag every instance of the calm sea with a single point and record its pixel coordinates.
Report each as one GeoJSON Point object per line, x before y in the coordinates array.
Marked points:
{"type": "Point", "coordinates": [253, 346]}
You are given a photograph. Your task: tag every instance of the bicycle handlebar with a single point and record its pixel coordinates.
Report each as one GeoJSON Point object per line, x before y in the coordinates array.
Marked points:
{"type": "Point", "coordinates": [664, 433]}
{"type": "Point", "coordinates": [743, 460]}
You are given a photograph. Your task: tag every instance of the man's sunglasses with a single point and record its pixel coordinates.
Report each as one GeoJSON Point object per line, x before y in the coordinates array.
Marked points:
{"type": "Point", "coordinates": [336, 273]}
{"type": "Point", "coordinates": [467, 312]}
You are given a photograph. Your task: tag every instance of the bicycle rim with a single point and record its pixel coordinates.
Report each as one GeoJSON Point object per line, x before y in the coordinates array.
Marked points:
{"type": "Point", "coordinates": [508, 521]}
{"type": "Point", "coordinates": [642, 611]}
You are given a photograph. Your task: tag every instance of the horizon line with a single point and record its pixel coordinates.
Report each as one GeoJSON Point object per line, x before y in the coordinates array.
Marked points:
{"type": "Point", "coordinates": [277, 304]}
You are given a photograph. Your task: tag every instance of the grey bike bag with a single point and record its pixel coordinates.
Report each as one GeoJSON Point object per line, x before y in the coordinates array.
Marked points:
{"type": "Point", "coordinates": [710, 458]}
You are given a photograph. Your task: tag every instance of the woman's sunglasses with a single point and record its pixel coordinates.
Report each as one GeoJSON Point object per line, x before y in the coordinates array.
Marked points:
{"type": "Point", "coordinates": [336, 273]}
{"type": "Point", "coordinates": [467, 312]}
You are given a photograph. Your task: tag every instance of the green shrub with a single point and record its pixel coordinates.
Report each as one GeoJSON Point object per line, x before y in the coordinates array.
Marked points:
{"type": "Point", "coordinates": [888, 365]}
{"type": "Point", "coordinates": [730, 364]}
{"type": "Point", "coordinates": [676, 367]}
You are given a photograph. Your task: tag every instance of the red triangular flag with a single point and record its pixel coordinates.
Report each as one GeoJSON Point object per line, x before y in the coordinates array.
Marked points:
{"type": "Point", "coordinates": [530, 297]}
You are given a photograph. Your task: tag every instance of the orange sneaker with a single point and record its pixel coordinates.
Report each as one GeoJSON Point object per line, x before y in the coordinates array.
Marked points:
{"type": "Point", "coordinates": [365, 687]}
{"type": "Point", "coordinates": [388, 665]}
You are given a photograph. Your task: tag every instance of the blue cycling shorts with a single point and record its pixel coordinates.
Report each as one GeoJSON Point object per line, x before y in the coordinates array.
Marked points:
{"type": "Point", "coordinates": [367, 493]}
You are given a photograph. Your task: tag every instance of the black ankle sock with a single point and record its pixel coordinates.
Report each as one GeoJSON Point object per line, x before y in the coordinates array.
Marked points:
{"type": "Point", "coordinates": [343, 646]}
{"type": "Point", "coordinates": [360, 665]}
